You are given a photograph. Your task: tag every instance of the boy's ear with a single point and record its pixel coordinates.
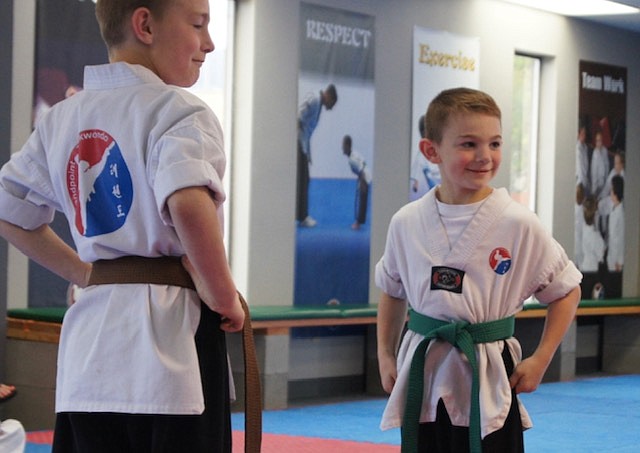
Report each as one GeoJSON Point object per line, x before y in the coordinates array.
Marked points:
{"type": "Point", "coordinates": [141, 24]}
{"type": "Point", "coordinates": [429, 150]}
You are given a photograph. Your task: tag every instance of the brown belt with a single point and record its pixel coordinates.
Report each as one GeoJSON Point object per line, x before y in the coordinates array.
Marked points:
{"type": "Point", "coordinates": [169, 271]}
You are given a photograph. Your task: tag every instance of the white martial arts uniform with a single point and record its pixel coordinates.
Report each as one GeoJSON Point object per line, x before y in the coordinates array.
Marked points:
{"type": "Point", "coordinates": [599, 171]}
{"type": "Point", "coordinates": [593, 248]}
{"type": "Point", "coordinates": [359, 166]}
{"type": "Point", "coordinates": [506, 256]}
{"type": "Point", "coordinates": [109, 157]}
{"type": "Point", "coordinates": [582, 165]}
{"type": "Point", "coordinates": [615, 251]}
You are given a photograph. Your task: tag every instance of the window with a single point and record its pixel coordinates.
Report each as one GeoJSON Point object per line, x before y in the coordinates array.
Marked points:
{"type": "Point", "coordinates": [524, 133]}
{"type": "Point", "coordinates": [214, 75]}
{"type": "Point", "coordinates": [214, 84]}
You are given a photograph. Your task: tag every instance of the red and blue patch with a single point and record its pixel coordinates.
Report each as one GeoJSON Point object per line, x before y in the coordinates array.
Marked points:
{"type": "Point", "coordinates": [500, 260]}
{"type": "Point", "coordinates": [99, 184]}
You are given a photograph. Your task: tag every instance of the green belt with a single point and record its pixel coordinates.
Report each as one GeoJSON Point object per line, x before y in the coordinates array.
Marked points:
{"type": "Point", "coordinates": [463, 336]}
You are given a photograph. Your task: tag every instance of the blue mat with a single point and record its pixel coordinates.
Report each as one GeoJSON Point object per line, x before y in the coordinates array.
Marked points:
{"type": "Point", "coordinates": [37, 448]}
{"type": "Point", "coordinates": [586, 415]}
{"type": "Point", "coordinates": [590, 415]}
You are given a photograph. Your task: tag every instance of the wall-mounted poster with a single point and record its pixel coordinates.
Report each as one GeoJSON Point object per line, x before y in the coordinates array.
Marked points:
{"type": "Point", "coordinates": [67, 39]}
{"type": "Point", "coordinates": [441, 60]}
{"type": "Point", "coordinates": [600, 161]}
{"type": "Point", "coordinates": [334, 156]}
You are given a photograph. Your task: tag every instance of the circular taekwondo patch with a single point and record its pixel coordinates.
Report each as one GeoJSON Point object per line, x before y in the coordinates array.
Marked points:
{"type": "Point", "coordinates": [500, 260]}
{"type": "Point", "coordinates": [99, 184]}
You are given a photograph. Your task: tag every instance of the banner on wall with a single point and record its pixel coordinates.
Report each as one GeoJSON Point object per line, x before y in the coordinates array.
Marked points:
{"type": "Point", "coordinates": [336, 101]}
{"type": "Point", "coordinates": [600, 161]}
{"type": "Point", "coordinates": [67, 38]}
{"type": "Point", "coordinates": [441, 60]}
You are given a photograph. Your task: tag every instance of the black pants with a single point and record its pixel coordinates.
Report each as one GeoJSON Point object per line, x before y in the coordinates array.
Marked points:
{"type": "Point", "coordinates": [362, 199]}
{"type": "Point", "coordinates": [142, 433]}
{"type": "Point", "coordinates": [302, 187]}
{"type": "Point", "coordinates": [442, 437]}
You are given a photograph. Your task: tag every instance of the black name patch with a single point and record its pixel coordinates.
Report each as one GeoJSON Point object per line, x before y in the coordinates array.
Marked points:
{"type": "Point", "coordinates": [446, 278]}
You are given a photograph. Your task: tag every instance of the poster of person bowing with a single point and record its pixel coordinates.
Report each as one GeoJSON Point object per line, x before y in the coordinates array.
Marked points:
{"type": "Point", "coordinates": [334, 158]}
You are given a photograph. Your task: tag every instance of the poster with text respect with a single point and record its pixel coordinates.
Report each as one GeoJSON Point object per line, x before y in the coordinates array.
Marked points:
{"type": "Point", "coordinates": [334, 168]}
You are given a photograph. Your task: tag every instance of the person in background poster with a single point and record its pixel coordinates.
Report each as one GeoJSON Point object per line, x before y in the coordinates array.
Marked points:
{"type": "Point", "coordinates": [53, 86]}
{"type": "Point", "coordinates": [615, 249]}
{"type": "Point", "coordinates": [605, 203]}
{"type": "Point", "coordinates": [617, 170]}
{"type": "Point", "coordinates": [593, 246]}
{"type": "Point", "coordinates": [599, 167]}
{"type": "Point", "coordinates": [578, 225]}
{"type": "Point", "coordinates": [424, 174]}
{"type": "Point", "coordinates": [359, 168]}
{"type": "Point", "coordinates": [582, 159]}
{"type": "Point", "coordinates": [308, 118]}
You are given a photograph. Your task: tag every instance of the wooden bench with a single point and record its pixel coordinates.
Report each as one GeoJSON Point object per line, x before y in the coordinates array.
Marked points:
{"type": "Point", "coordinates": [43, 324]}
{"type": "Point", "coordinates": [587, 307]}
{"type": "Point", "coordinates": [35, 332]}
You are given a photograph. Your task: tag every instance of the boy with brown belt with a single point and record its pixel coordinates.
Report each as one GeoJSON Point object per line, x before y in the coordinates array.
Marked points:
{"type": "Point", "coordinates": [136, 165]}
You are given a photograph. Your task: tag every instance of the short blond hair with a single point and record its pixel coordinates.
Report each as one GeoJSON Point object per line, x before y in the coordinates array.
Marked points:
{"type": "Point", "coordinates": [112, 16]}
{"type": "Point", "coordinates": [456, 100]}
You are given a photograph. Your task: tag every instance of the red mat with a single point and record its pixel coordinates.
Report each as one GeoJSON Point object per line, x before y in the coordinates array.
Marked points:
{"type": "Point", "coordinates": [275, 443]}
{"type": "Point", "coordinates": [40, 437]}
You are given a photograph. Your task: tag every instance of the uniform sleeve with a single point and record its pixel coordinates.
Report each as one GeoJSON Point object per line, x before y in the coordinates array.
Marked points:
{"type": "Point", "coordinates": [387, 275]}
{"type": "Point", "coordinates": [559, 286]}
{"type": "Point", "coordinates": [558, 276]}
{"type": "Point", "coordinates": [26, 195]}
{"type": "Point", "coordinates": [190, 154]}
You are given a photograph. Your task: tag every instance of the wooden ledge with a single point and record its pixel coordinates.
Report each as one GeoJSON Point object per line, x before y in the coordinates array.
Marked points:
{"type": "Point", "coordinates": [30, 330]}
{"type": "Point", "coordinates": [278, 320]}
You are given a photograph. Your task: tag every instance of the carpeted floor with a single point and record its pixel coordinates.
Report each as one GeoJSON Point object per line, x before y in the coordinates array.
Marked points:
{"type": "Point", "coordinates": [586, 415]}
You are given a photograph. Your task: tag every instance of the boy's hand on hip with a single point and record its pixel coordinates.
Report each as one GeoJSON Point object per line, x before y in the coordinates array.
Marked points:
{"type": "Point", "coordinates": [232, 312]}
{"type": "Point", "coordinates": [526, 377]}
{"type": "Point", "coordinates": [233, 319]}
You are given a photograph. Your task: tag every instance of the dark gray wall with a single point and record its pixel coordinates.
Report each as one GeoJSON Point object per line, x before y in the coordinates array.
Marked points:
{"type": "Point", "coordinates": [6, 31]}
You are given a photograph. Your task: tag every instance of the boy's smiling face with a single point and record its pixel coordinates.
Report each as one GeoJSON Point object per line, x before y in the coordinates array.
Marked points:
{"type": "Point", "coordinates": [468, 156]}
{"type": "Point", "coordinates": [181, 41]}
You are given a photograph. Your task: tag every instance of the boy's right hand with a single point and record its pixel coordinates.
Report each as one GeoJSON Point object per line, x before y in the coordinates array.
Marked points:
{"type": "Point", "coordinates": [388, 372]}
{"type": "Point", "coordinates": [233, 320]}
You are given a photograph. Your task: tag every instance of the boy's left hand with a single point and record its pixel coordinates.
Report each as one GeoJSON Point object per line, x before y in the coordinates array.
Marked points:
{"type": "Point", "coordinates": [232, 313]}
{"type": "Point", "coordinates": [526, 377]}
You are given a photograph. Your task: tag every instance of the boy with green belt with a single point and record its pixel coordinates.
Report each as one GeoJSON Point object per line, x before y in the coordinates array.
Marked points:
{"type": "Point", "coordinates": [464, 258]}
